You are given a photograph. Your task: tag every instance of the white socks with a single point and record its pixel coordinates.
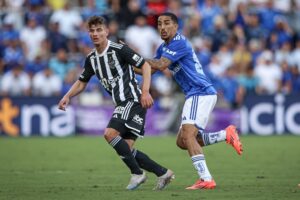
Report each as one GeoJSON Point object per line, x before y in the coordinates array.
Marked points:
{"type": "Point", "coordinates": [201, 167]}
{"type": "Point", "coordinates": [211, 138]}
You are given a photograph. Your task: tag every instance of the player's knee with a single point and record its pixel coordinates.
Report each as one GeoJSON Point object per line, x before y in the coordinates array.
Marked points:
{"type": "Point", "coordinates": [109, 135]}
{"type": "Point", "coordinates": [180, 144]}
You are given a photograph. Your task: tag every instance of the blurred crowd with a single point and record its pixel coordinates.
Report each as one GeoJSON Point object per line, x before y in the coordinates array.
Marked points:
{"type": "Point", "coordinates": [245, 46]}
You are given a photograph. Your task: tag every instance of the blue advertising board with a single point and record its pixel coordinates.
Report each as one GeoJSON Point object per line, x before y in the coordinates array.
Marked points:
{"type": "Point", "coordinates": [29, 116]}
{"type": "Point", "coordinates": [34, 116]}
{"type": "Point", "coordinates": [274, 114]}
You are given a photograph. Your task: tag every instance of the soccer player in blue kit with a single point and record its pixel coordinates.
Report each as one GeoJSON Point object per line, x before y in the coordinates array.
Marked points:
{"type": "Point", "coordinates": [176, 54]}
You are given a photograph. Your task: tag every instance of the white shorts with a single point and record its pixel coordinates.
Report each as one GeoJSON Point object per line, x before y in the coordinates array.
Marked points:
{"type": "Point", "coordinates": [196, 110]}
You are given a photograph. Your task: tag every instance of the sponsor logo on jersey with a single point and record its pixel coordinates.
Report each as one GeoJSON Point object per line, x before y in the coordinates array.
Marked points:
{"type": "Point", "coordinates": [168, 51]}
{"type": "Point", "coordinates": [136, 57]}
{"type": "Point", "coordinates": [138, 119]}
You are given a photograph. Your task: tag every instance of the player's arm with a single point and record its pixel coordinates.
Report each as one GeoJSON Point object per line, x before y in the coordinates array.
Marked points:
{"type": "Point", "coordinates": [146, 99]}
{"type": "Point", "coordinates": [78, 86]}
{"type": "Point", "coordinates": [76, 89]}
{"type": "Point", "coordinates": [159, 64]}
{"type": "Point", "coordinates": [140, 71]}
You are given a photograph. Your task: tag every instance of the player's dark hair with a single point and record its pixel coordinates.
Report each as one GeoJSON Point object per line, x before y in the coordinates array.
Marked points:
{"type": "Point", "coordinates": [94, 20]}
{"type": "Point", "coordinates": [171, 15]}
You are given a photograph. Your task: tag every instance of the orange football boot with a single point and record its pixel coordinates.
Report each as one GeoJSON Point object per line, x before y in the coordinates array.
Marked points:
{"type": "Point", "coordinates": [201, 184]}
{"type": "Point", "coordinates": [232, 138]}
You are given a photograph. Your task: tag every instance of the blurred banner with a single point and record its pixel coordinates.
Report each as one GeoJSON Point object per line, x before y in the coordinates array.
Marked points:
{"type": "Point", "coordinates": [29, 116]}
{"type": "Point", "coordinates": [94, 119]}
{"type": "Point", "coordinates": [267, 115]}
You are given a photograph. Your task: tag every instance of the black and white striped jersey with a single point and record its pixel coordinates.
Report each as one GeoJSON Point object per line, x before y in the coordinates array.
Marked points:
{"type": "Point", "coordinates": [113, 68]}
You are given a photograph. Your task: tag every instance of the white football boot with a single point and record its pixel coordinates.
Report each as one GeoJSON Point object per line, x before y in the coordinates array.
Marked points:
{"type": "Point", "coordinates": [136, 180]}
{"type": "Point", "coordinates": [164, 180]}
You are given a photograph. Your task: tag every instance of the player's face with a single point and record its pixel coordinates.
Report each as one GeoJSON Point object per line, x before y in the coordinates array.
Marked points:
{"type": "Point", "coordinates": [166, 28]}
{"type": "Point", "coordinates": [98, 34]}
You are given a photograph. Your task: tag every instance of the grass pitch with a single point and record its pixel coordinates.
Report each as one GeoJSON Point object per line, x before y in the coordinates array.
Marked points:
{"type": "Point", "coordinates": [88, 168]}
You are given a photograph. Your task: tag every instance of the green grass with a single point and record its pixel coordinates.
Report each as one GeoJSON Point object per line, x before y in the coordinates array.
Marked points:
{"type": "Point", "coordinates": [87, 168]}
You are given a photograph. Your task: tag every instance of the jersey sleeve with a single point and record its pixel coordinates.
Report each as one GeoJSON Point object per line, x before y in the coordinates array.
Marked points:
{"type": "Point", "coordinates": [175, 50]}
{"type": "Point", "coordinates": [87, 72]}
{"type": "Point", "coordinates": [131, 57]}
{"type": "Point", "coordinates": [158, 52]}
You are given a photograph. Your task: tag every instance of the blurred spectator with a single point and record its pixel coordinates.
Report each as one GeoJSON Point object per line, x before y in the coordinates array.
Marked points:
{"type": "Point", "coordinates": [202, 50]}
{"type": "Point", "coordinates": [295, 80]}
{"type": "Point", "coordinates": [8, 32]}
{"type": "Point", "coordinates": [230, 88]}
{"type": "Point", "coordinates": [286, 80]}
{"type": "Point", "coordinates": [209, 9]}
{"type": "Point", "coordinates": [15, 82]}
{"type": "Point", "coordinates": [255, 48]}
{"type": "Point", "coordinates": [272, 42]}
{"type": "Point", "coordinates": [294, 17]}
{"type": "Point", "coordinates": [268, 73]}
{"type": "Point", "coordinates": [238, 16]}
{"type": "Point", "coordinates": [192, 28]}
{"type": "Point", "coordinates": [254, 29]}
{"type": "Point", "coordinates": [14, 10]}
{"type": "Point", "coordinates": [90, 9]}
{"type": "Point", "coordinates": [60, 64]}
{"type": "Point", "coordinates": [239, 35]}
{"type": "Point", "coordinates": [68, 81]}
{"type": "Point", "coordinates": [248, 81]}
{"type": "Point", "coordinates": [284, 54]}
{"type": "Point", "coordinates": [241, 58]}
{"type": "Point", "coordinates": [174, 6]}
{"type": "Point", "coordinates": [35, 66]}
{"type": "Point", "coordinates": [283, 30]}
{"type": "Point", "coordinates": [33, 38]}
{"type": "Point", "coordinates": [129, 13]}
{"type": "Point", "coordinates": [13, 53]}
{"type": "Point", "coordinates": [56, 4]}
{"type": "Point", "coordinates": [225, 56]}
{"type": "Point", "coordinates": [55, 39]}
{"type": "Point", "coordinates": [69, 21]}
{"type": "Point", "coordinates": [267, 15]}
{"type": "Point", "coordinates": [113, 28]}
{"type": "Point", "coordinates": [296, 55]}
{"type": "Point", "coordinates": [36, 10]}
{"type": "Point", "coordinates": [46, 84]}
{"type": "Point", "coordinates": [137, 34]}
{"type": "Point", "coordinates": [216, 67]}
{"type": "Point", "coordinates": [154, 8]}
{"type": "Point", "coordinates": [219, 33]}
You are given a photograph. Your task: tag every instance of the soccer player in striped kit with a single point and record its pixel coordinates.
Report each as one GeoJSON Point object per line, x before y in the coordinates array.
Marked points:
{"type": "Point", "coordinates": [113, 63]}
{"type": "Point", "coordinates": [177, 55]}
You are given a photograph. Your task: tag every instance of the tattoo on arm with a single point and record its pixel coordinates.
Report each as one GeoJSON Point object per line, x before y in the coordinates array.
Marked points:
{"type": "Point", "coordinates": [159, 64]}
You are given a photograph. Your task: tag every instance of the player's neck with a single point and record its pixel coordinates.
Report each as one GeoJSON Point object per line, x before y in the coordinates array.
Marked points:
{"type": "Point", "coordinates": [167, 41]}
{"type": "Point", "coordinates": [101, 47]}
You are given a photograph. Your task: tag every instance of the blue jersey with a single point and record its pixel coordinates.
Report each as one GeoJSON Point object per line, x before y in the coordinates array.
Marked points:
{"type": "Point", "coordinates": [185, 67]}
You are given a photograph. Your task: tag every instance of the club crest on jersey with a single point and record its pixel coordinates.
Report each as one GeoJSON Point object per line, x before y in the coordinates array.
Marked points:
{"type": "Point", "coordinates": [137, 119]}
{"type": "Point", "coordinates": [111, 61]}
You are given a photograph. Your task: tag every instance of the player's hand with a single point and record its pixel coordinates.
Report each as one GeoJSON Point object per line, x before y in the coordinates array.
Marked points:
{"type": "Point", "coordinates": [146, 100]}
{"type": "Point", "coordinates": [63, 103]}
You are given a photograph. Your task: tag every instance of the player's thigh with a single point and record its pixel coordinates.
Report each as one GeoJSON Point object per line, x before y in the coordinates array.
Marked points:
{"type": "Point", "coordinates": [197, 110]}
